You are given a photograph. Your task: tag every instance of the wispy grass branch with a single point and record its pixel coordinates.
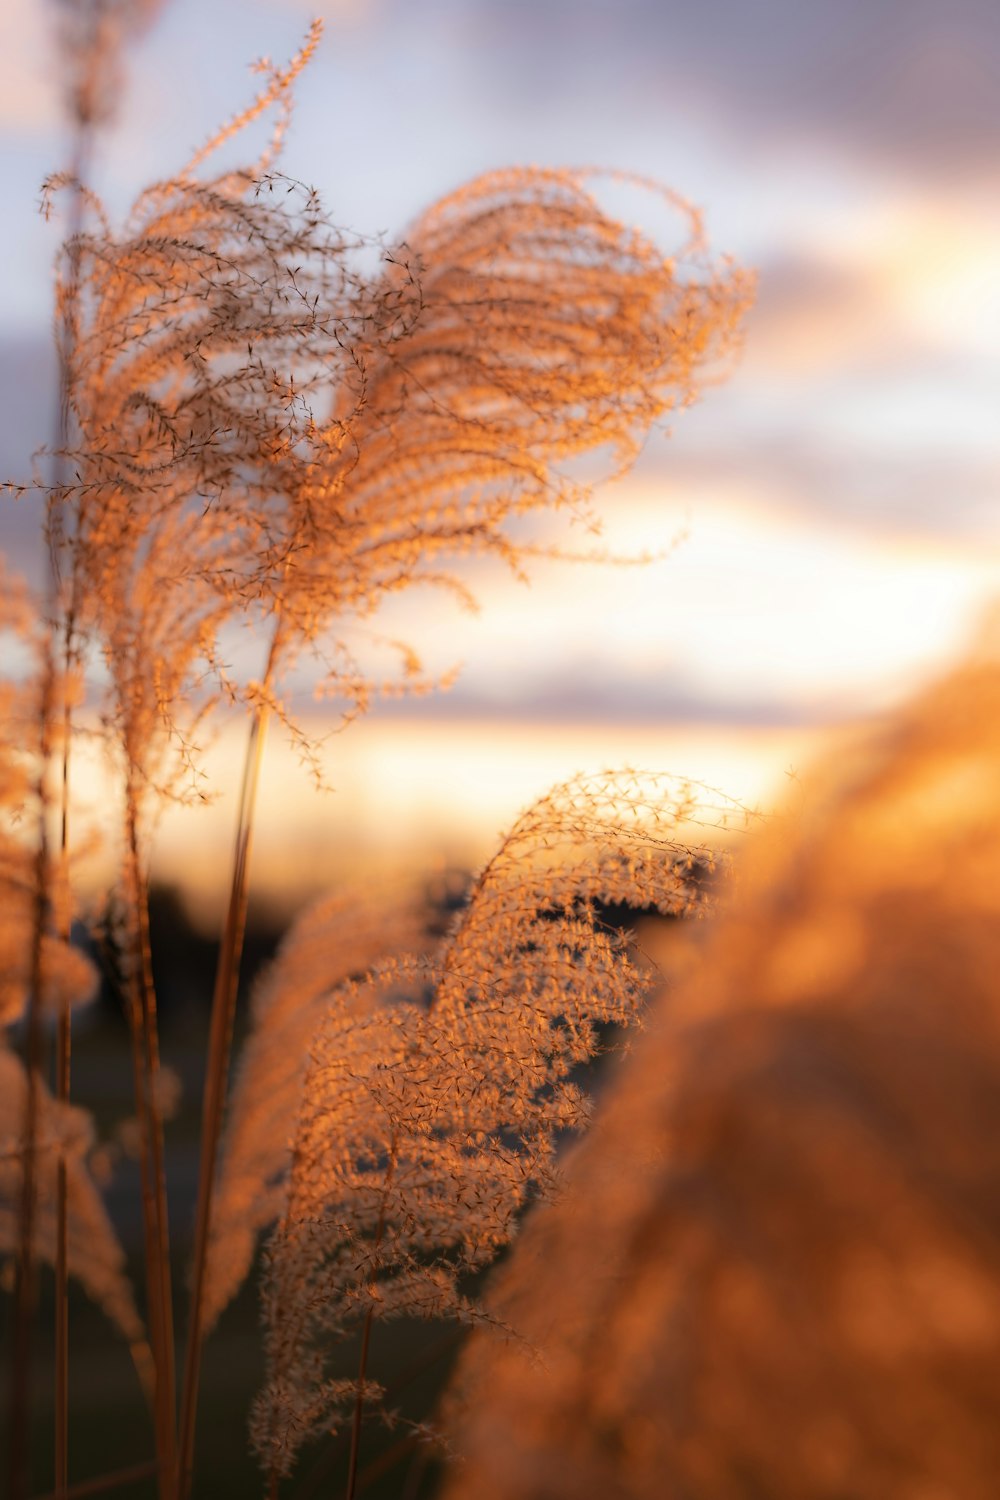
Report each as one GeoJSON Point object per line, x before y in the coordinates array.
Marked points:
{"type": "Point", "coordinates": [436, 1090]}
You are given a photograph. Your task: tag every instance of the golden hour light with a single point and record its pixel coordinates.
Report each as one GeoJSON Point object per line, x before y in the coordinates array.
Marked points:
{"type": "Point", "coordinates": [873, 612]}
{"type": "Point", "coordinates": [935, 264]}
{"type": "Point", "coordinates": [499, 712]}
{"type": "Point", "coordinates": [401, 795]}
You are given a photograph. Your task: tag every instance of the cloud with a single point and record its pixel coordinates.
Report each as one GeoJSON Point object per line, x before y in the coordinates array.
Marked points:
{"type": "Point", "coordinates": [895, 492]}
{"type": "Point", "coordinates": [572, 697]}
{"type": "Point", "coordinates": [911, 82]}
{"type": "Point", "coordinates": [812, 315]}
{"type": "Point", "coordinates": [339, 13]}
{"type": "Point", "coordinates": [29, 95]}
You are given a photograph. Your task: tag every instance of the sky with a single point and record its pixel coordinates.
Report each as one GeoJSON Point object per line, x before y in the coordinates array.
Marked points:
{"type": "Point", "coordinates": [829, 514]}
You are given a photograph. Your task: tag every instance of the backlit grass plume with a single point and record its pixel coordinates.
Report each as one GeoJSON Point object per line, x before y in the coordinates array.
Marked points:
{"type": "Point", "coordinates": [266, 428]}
{"type": "Point", "coordinates": [64, 976]}
{"type": "Point", "coordinates": [775, 1268]}
{"type": "Point", "coordinates": [340, 938]}
{"type": "Point", "coordinates": [34, 890]}
{"type": "Point", "coordinates": [268, 422]}
{"type": "Point", "coordinates": [437, 1088]}
{"type": "Point", "coordinates": [95, 1256]}
{"type": "Point", "coordinates": [190, 340]}
{"type": "Point", "coordinates": [272, 416]}
{"type": "Point", "coordinates": [547, 332]}
{"type": "Point", "coordinates": [41, 977]}
{"type": "Point", "coordinates": [203, 330]}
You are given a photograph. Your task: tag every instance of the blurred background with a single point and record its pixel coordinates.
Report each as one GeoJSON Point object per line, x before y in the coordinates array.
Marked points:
{"type": "Point", "coordinates": [830, 512]}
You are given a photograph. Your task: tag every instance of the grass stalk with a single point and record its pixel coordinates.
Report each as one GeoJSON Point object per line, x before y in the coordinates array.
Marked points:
{"type": "Point", "coordinates": [24, 1293]}
{"type": "Point", "coordinates": [387, 1461]}
{"type": "Point", "coordinates": [55, 527]}
{"type": "Point", "coordinates": [153, 1298]}
{"type": "Point", "coordinates": [415, 1473]}
{"type": "Point", "coordinates": [217, 1066]}
{"type": "Point", "coordinates": [61, 1290]}
{"type": "Point", "coordinates": [102, 1483]}
{"type": "Point", "coordinates": [359, 1408]}
{"type": "Point", "coordinates": [25, 1289]}
{"type": "Point", "coordinates": [64, 1043]}
{"type": "Point", "coordinates": [317, 1478]}
{"type": "Point", "coordinates": [146, 1062]}
{"type": "Point", "coordinates": [359, 1402]}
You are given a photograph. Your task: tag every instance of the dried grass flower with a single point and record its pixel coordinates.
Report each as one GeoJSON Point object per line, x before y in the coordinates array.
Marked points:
{"type": "Point", "coordinates": [776, 1262]}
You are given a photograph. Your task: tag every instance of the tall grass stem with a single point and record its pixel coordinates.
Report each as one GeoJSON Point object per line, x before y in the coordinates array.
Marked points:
{"type": "Point", "coordinates": [64, 1035]}
{"type": "Point", "coordinates": [155, 1194]}
{"type": "Point", "coordinates": [102, 1483]}
{"type": "Point", "coordinates": [20, 1385]}
{"type": "Point", "coordinates": [217, 1066]}
{"type": "Point", "coordinates": [359, 1403]}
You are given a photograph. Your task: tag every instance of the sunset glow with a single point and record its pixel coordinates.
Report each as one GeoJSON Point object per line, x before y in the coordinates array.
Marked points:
{"type": "Point", "coordinates": [828, 563]}
{"type": "Point", "coordinates": [409, 792]}
{"type": "Point", "coordinates": [499, 725]}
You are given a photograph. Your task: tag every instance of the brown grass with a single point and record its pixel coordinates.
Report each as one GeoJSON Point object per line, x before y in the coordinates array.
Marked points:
{"type": "Point", "coordinates": [258, 429]}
